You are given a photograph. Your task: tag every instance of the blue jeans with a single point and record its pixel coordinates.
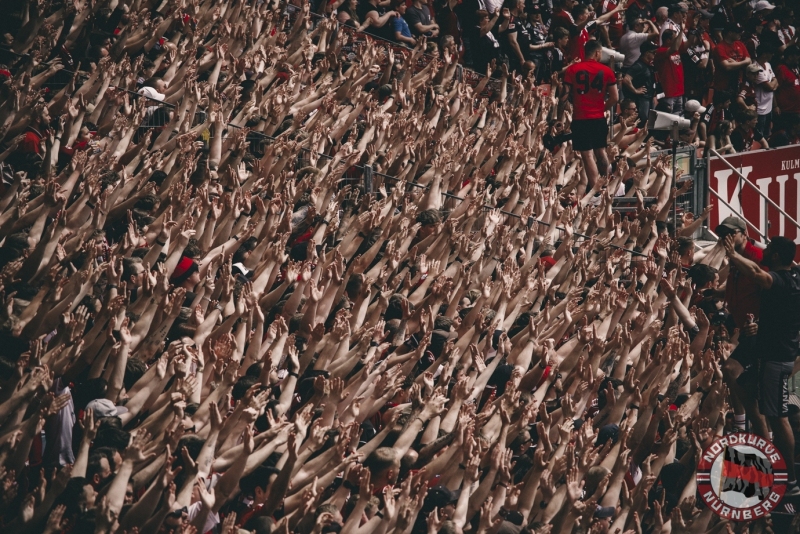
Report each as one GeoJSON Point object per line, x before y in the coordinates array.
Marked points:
{"type": "Point", "coordinates": [673, 104]}
{"type": "Point", "coordinates": [643, 104]}
{"type": "Point", "coordinates": [765, 123]}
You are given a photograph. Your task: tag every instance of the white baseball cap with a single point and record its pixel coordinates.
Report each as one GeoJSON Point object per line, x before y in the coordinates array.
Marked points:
{"type": "Point", "coordinates": [762, 5]}
{"type": "Point", "coordinates": [693, 105]}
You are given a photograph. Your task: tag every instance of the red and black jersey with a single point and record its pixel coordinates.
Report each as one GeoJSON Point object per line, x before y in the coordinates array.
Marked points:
{"type": "Point", "coordinates": [589, 81]}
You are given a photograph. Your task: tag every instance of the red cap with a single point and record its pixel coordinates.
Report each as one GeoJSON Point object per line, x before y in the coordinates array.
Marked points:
{"type": "Point", "coordinates": [183, 266]}
{"type": "Point", "coordinates": [547, 261]}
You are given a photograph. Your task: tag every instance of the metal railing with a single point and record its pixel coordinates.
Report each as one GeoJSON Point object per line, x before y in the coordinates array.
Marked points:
{"type": "Point", "coordinates": [741, 179]}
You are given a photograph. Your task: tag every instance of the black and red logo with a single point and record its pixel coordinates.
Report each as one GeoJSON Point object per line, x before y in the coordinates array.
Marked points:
{"type": "Point", "coordinates": [741, 477]}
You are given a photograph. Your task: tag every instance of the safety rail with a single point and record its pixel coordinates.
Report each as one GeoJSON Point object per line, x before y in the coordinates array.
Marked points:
{"type": "Point", "coordinates": [743, 179]}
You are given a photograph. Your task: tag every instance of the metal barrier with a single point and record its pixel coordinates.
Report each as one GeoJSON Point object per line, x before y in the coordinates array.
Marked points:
{"type": "Point", "coordinates": [694, 200]}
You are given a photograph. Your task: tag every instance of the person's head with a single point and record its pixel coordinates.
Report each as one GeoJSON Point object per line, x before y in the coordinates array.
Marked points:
{"type": "Point", "coordinates": [636, 24]}
{"type": "Point", "coordinates": [592, 50]}
{"type": "Point", "coordinates": [628, 108]}
{"type": "Point", "coordinates": [667, 37]}
{"type": "Point", "coordinates": [132, 271]}
{"type": "Point", "coordinates": [156, 83]}
{"type": "Point", "coordinates": [581, 13]}
{"type": "Point", "coordinates": [791, 56]}
{"type": "Point", "coordinates": [400, 6]}
{"type": "Point", "coordinates": [702, 275]}
{"type": "Point", "coordinates": [661, 14]}
{"type": "Point", "coordinates": [647, 51]}
{"type": "Point", "coordinates": [98, 470]}
{"type": "Point", "coordinates": [561, 37]}
{"type": "Point", "coordinates": [732, 32]}
{"type": "Point", "coordinates": [677, 12]}
{"type": "Point", "coordinates": [428, 219]}
{"type": "Point", "coordinates": [779, 253]}
{"type": "Point", "coordinates": [735, 227]}
{"type": "Point", "coordinates": [78, 496]}
{"type": "Point", "coordinates": [724, 128]}
{"type": "Point", "coordinates": [383, 465]}
{"type": "Point", "coordinates": [747, 119]}
{"type": "Point", "coordinates": [186, 274]}
{"type": "Point", "coordinates": [765, 52]}
{"type": "Point", "coordinates": [752, 71]}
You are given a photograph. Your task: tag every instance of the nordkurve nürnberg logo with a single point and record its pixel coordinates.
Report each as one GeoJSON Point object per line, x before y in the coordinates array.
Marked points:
{"type": "Point", "coordinates": [741, 477]}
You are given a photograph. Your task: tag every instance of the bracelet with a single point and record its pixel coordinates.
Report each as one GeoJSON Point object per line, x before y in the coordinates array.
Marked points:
{"type": "Point", "coordinates": [324, 221]}
{"type": "Point", "coordinates": [206, 298]}
{"type": "Point", "coordinates": [160, 243]}
{"type": "Point", "coordinates": [543, 365]}
{"type": "Point", "coordinates": [292, 373]}
{"type": "Point", "coordinates": [634, 407]}
{"type": "Point", "coordinates": [110, 286]}
{"type": "Point", "coordinates": [218, 307]}
{"type": "Point", "coordinates": [379, 514]}
{"type": "Point", "coordinates": [420, 420]}
{"type": "Point", "coordinates": [92, 206]}
{"type": "Point", "coordinates": [501, 484]}
{"type": "Point", "coordinates": [373, 343]}
{"type": "Point", "coordinates": [462, 466]}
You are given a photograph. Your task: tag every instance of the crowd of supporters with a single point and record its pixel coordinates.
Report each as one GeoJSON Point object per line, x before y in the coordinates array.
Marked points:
{"type": "Point", "coordinates": [261, 274]}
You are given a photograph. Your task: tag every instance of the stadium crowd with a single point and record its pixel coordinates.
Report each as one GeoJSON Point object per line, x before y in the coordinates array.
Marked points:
{"type": "Point", "coordinates": [262, 275]}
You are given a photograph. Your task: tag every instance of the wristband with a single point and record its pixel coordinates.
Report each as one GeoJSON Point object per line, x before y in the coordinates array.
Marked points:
{"type": "Point", "coordinates": [373, 343]}
{"type": "Point", "coordinates": [110, 286]}
{"type": "Point", "coordinates": [160, 243]}
{"type": "Point", "coordinates": [218, 307]}
{"type": "Point", "coordinates": [292, 373]}
{"type": "Point", "coordinates": [420, 420]}
{"type": "Point", "coordinates": [325, 222]}
{"type": "Point", "coordinates": [462, 466]}
{"type": "Point", "coordinates": [543, 365]}
{"type": "Point", "coordinates": [349, 485]}
{"type": "Point", "coordinates": [91, 206]}
{"type": "Point", "coordinates": [379, 514]}
{"type": "Point", "coordinates": [634, 407]}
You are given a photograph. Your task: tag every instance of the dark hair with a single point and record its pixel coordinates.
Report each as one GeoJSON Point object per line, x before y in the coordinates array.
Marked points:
{"type": "Point", "coordinates": [134, 370]}
{"type": "Point", "coordinates": [592, 47]}
{"type": "Point", "coordinates": [785, 249]}
{"type": "Point", "coordinates": [559, 33]}
{"type": "Point", "coordinates": [108, 436]}
{"type": "Point", "coordinates": [242, 385]}
{"type": "Point", "coordinates": [701, 274]}
{"type": "Point", "coordinates": [429, 217]}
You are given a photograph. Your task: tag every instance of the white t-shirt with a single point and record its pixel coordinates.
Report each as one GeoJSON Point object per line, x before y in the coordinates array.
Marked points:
{"type": "Point", "coordinates": [764, 97]}
{"type": "Point", "coordinates": [629, 45]}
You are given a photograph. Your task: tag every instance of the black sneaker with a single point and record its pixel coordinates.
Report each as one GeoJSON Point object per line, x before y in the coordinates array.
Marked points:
{"type": "Point", "coordinates": [792, 489]}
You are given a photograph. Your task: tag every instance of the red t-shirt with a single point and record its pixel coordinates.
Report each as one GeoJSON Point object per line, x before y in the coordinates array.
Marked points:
{"type": "Point", "coordinates": [669, 68]}
{"type": "Point", "coordinates": [616, 26]}
{"type": "Point", "coordinates": [788, 93]}
{"type": "Point", "coordinates": [723, 79]}
{"type": "Point", "coordinates": [741, 292]}
{"type": "Point", "coordinates": [576, 45]}
{"type": "Point", "coordinates": [31, 143]}
{"type": "Point", "coordinates": [588, 81]}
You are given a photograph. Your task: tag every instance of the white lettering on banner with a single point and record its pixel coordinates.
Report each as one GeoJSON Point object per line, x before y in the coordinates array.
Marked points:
{"type": "Point", "coordinates": [782, 179]}
{"type": "Point", "coordinates": [763, 186]}
{"type": "Point", "coordinates": [722, 189]}
{"type": "Point", "coordinates": [768, 174]}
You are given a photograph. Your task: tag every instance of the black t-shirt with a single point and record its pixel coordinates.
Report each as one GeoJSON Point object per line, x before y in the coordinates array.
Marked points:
{"type": "Point", "coordinates": [641, 76]}
{"type": "Point", "coordinates": [553, 61]}
{"type": "Point", "coordinates": [416, 16]}
{"type": "Point", "coordinates": [779, 321]}
{"type": "Point", "coordinates": [742, 141]}
{"type": "Point", "coordinates": [385, 31]}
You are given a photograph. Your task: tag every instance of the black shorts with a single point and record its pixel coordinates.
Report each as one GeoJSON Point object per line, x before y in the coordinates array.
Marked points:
{"type": "Point", "coordinates": [589, 134]}
{"type": "Point", "coordinates": [745, 351]}
{"type": "Point", "coordinates": [773, 388]}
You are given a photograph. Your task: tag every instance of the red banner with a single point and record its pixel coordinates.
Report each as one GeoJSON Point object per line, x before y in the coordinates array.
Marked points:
{"type": "Point", "coordinates": [776, 173]}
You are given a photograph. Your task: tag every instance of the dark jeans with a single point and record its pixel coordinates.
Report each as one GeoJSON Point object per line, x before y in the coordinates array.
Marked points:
{"type": "Point", "coordinates": [643, 104]}
{"type": "Point", "coordinates": [765, 123]}
{"type": "Point", "coordinates": [673, 104]}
